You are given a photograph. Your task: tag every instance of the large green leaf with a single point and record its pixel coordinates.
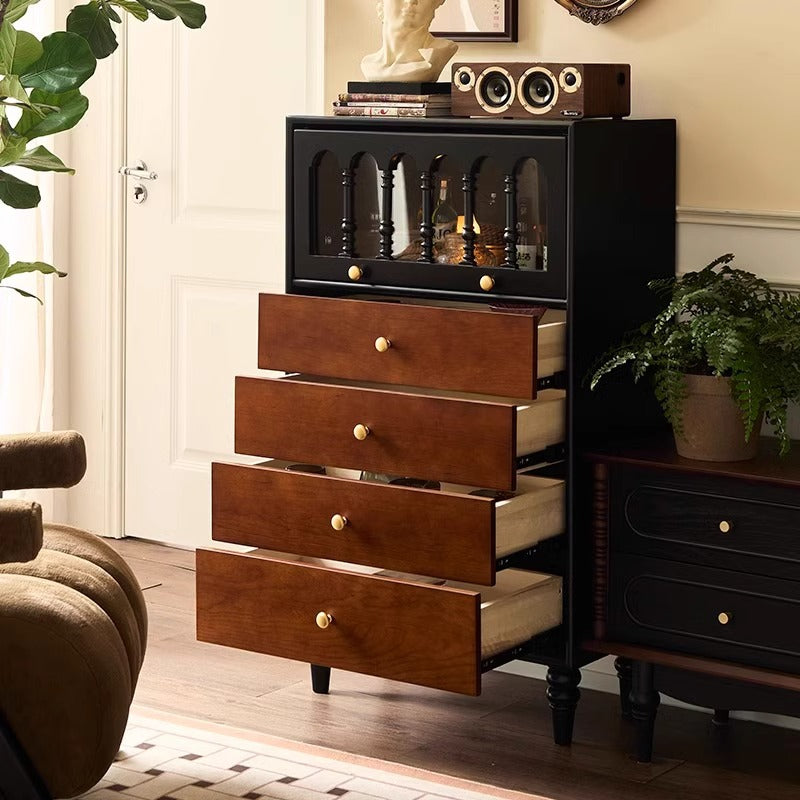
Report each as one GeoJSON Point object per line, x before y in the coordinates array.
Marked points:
{"type": "Point", "coordinates": [92, 23]}
{"type": "Point", "coordinates": [11, 88]}
{"type": "Point", "coordinates": [21, 267]}
{"type": "Point", "coordinates": [16, 8]}
{"type": "Point", "coordinates": [5, 262]}
{"type": "Point", "coordinates": [133, 8]}
{"type": "Point", "coordinates": [41, 159]}
{"type": "Point", "coordinates": [12, 149]}
{"type": "Point", "coordinates": [8, 44]}
{"type": "Point", "coordinates": [70, 107]}
{"type": "Point", "coordinates": [66, 63]}
{"type": "Point", "coordinates": [192, 14]}
{"type": "Point", "coordinates": [17, 193]}
{"type": "Point", "coordinates": [29, 50]}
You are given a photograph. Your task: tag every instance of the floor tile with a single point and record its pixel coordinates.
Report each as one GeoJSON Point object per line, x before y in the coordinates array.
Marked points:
{"type": "Point", "coordinates": [227, 758]}
{"type": "Point", "coordinates": [197, 770]}
{"type": "Point", "coordinates": [161, 785]}
{"type": "Point", "coordinates": [246, 782]}
{"type": "Point", "coordinates": [281, 766]}
{"type": "Point", "coordinates": [383, 790]}
{"type": "Point", "coordinates": [324, 780]}
{"type": "Point", "coordinates": [143, 760]}
{"type": "Point", "coordinates": [186, 744]}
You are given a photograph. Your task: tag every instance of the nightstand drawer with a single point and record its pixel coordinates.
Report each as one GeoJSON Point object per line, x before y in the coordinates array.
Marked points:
{"type": "Point", "coordinates": [468, 350]}
{"type": "Point", "coordinates": [419, 633]}
{"type": "Point", "coordinates": [704, 611]}
{"type": "Point", "coordinates": [447, 534]}
{"type": "Point", "coordinates": [466, 440]}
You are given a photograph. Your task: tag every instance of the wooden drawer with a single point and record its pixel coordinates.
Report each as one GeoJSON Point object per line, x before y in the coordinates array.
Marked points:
{"type": "Point", "coordinates": [426, 532]}
{"type": "Point", "coordinates": [419, 633]}
{"type": "Point", "coordinates": [456, 438]}
{"type": "Point", "coordinates": [468, 350]}
{"type": "Point", "coordinates": [678, 606]}
{"type": "Point", "coordinates": [708, 522]}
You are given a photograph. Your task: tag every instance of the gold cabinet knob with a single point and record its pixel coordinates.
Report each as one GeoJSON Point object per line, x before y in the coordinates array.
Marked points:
{"type": "Point", "coordinates": [339, 522]}
{"type": "Point", "coordinates": [361, 432]}
{"type": "Point", "coordinates": [323, 619]}
{"type": "Point", "coordinates": [355, 273]}
{"type": "Point", "coordinates": [382, 344]}
{"type": "Point", "coordinates": [487, 283]}
{"type": "Point", "coordinates": [725, 618]}
{"type": "Point", "coordinates": [725, 526]}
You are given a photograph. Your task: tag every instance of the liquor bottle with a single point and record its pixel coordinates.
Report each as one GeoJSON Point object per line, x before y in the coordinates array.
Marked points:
{"type": "Point", "coordinates": [445, 217]}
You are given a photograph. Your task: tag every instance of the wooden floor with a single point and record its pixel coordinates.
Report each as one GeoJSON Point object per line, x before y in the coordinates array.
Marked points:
{"type": "Point", "coordinates": [501, 737]}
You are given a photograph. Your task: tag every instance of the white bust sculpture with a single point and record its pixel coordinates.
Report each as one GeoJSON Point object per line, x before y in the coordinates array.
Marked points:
{"type": "Point", "coordinates": [409, 52]}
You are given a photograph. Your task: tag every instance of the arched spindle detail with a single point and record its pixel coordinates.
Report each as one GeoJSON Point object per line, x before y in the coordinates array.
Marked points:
{"type": "Point", "coordinates": [348, 218]}
{"type": "Point", "coordinates": [510, 237]}
{"type": "Point", "coordinates": [468, 184]}
{"type": "Point", "coordinates": [386, 228]}
{"type": "Point", "coordinates": [426, 226]}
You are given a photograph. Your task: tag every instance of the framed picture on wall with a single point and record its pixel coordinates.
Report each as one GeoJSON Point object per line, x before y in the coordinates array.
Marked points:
{"type": "Point", "coordinates": [477, 20]}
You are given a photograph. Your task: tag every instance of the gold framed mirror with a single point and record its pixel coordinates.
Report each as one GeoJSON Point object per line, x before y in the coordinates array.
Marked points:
{"type": "Point", "coordinates": [596, 12]}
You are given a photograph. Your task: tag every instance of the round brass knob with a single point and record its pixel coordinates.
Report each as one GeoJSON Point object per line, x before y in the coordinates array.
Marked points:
{"type": "Point", "coordinates": [361, 432]}
{"type": "Point", "coordinates": [725, 526]}
{"type": "Point", "coordinates": [382, 344]}
{"type": "Point", "coordinates": [339, 522]}
{"type": "Point", "coordinates": [487, 283]}
{"type": "Point", "coordinates": [355, 273]}
{"type": "Point", "coordinates": [725, 617]}
{"type": "Point", "coordinates": [323, 619]}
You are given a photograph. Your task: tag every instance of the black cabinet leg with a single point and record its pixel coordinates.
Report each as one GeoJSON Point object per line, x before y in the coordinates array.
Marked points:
{"type": "Point", "coordinates": [721, 717]}
{"type": "Point", "coordinates": [563, 695]}
{"type": "Point", "coordinates": [644, 704]}
{"type": "Point", "coordinates": [624, 668]}
{"type": "Point", "coordinates": [320, 679]}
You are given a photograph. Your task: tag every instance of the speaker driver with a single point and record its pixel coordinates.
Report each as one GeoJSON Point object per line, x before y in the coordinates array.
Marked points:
{"type": "Point", "coordinates": [570, 79]}
{"type": "Point", "coordinates": [495, 90]}
{"type": "Point", "coordinates": [464, 79]}
{"type": "Point", "coordinates": [538, 90]}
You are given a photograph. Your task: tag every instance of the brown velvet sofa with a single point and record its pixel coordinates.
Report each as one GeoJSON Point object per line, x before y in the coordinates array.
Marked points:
{"type": "Point", "coordinates": [73, 631]}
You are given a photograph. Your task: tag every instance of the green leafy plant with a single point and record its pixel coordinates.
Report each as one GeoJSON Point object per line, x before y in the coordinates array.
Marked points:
{"type": "Point", "coordinates": [40, 95]}
{"type": "Point", "coordinates": [719, 321]}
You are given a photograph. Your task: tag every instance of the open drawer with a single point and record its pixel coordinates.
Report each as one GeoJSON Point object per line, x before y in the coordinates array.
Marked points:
{"type": "Point", "coordinates": [450, 534]}
{"type": "Point", "coordinates": [466, 348]}
{"type": "Point", "coordinates": [446, 436]}
{"type": "Point", "coordinates": [404, 630]}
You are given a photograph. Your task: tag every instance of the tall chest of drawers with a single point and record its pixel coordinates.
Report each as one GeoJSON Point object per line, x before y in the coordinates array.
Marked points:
{"type": "Point", "coordinates": [417, 519]}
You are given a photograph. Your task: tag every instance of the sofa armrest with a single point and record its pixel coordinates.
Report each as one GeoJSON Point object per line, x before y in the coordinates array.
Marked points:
{"type": "Point", "coordinates": [41, 460]}
{"type": "Point", "coordinates": [20, 531]}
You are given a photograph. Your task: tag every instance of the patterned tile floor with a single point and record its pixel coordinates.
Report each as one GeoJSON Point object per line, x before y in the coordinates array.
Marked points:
{"type": "Point", "coordinates": [168, 758]}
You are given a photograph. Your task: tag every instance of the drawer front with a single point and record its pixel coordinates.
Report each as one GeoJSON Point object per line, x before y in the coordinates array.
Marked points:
{"type": "Point", "coordinates": [442, 348]}
{"type": "Point", "coordinates": [711, 523]}
{"type": "Point", "coordinates": [420, 531]}
{"type": "Point", "coordinates": [704, 611]}
{"type": "Point", "coordinates": [462, 441]}
{"type": "Point", "coordinates": [427, 635]}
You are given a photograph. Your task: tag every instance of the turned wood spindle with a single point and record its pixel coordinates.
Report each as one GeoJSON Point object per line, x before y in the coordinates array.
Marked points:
{"type": "Point", "coordinates": [468, 185]}
{"type": "Point", "coordinates": [386, 228]}
{"type": "Point", "coordinates": [426, 226]}
{"type": "Point", "coordinates": [348, 220]}
{"type": "Point", "coordinates": [510, 236]}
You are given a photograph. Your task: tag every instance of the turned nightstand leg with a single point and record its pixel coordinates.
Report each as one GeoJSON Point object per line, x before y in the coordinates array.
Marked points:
{"type": "Point", "coordinates": [644, 704]}
{"type": "Point", "coordinates": [320, 679]}
{"type": "Point", "coordinates": [624, 668]}
{"type": "Point", "coordinates": [563, 695]}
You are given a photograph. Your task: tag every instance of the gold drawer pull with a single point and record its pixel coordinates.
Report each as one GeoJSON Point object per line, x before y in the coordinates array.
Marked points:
{"type": "Point", "coordinates": [382, 344]}
{"type": "Point", "coordinates": [361, 432]}
{"type": "Point", "coordinates": [339, 522]}
{"type": "Point", "coordinates": [725, 526]}
{"type": "Point", "coordinates": [323, 619]}
{"type": "Point", "coordinates": [355, 273]}
{"type": "Point", "coordinates": [487, 283]}
{"type": "Point", "coordinates": [725, 618]}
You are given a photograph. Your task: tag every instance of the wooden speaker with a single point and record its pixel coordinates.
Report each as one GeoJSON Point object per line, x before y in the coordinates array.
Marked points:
{"type": "Point", "coordinates": [541, 91]}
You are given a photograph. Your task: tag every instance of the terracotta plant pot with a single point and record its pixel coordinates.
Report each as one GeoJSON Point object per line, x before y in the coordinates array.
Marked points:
{"type": "Point", "coordinates": [713, 428]}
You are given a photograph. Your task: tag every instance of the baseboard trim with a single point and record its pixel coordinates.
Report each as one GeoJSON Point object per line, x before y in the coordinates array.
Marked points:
{"type": "Point", "coordinates": [780, 220]}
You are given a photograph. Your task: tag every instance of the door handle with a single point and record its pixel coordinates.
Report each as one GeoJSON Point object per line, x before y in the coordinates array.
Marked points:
{"type": "Point", "coordinates": [139, 171]}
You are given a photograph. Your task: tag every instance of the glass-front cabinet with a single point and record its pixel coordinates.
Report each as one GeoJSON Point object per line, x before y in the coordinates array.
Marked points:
{"type": "Point", "coordinates": [430, 207]}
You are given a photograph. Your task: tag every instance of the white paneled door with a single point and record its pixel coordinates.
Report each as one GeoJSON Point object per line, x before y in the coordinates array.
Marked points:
{"type": "Point", "coordinates": [206, 114]}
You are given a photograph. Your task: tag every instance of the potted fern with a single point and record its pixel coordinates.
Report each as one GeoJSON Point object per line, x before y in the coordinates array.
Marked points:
{"type": "Point", "coordinates": [724, 353]}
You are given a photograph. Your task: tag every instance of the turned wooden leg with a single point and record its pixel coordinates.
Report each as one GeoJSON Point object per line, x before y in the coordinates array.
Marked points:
{"type": "Point", "coordinates": [563, 695]}
{"type": "Point", "coordinates": [721, 717]}
{"type": "Point", "coordinates": [624, 667]}
{"type": "Point", "coordinates": [644, 704]}
{"type": "Point", "coordinates": [320, 679]}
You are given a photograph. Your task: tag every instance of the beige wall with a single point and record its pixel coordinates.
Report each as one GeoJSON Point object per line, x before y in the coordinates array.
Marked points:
{"type": "Point", "coordinates": [728, 70]}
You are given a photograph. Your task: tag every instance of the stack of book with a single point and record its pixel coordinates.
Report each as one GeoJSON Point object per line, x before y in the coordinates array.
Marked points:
{"type": "Point", "coordinates": [424, 100]}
